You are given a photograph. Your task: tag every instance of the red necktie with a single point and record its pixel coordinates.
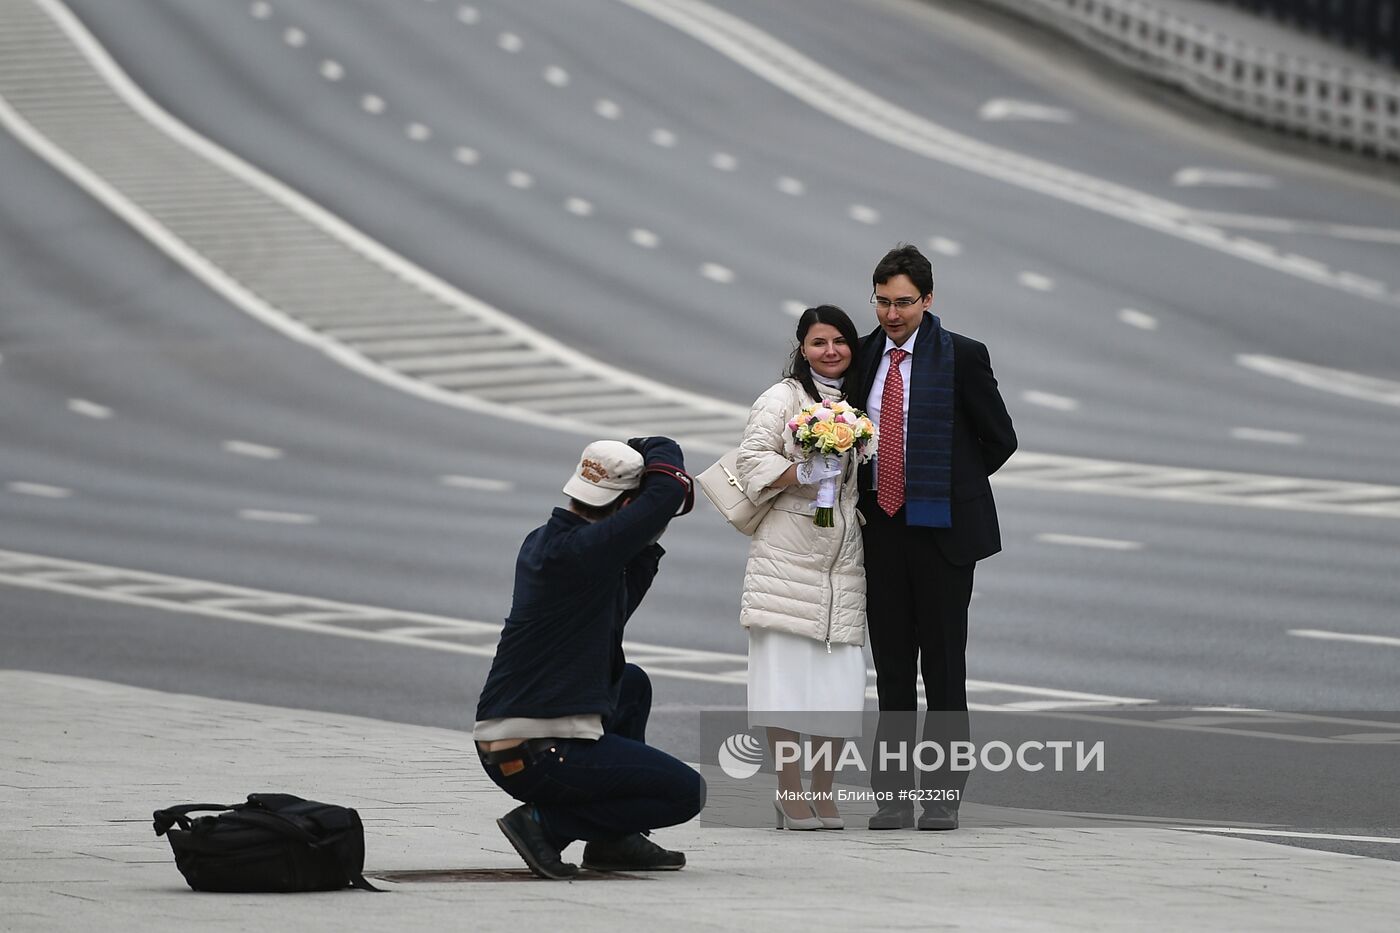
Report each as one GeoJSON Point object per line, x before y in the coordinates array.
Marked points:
{"type": "Point", "coordinates": [889, 453]}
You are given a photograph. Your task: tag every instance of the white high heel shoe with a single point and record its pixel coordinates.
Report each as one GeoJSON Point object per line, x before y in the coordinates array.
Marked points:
{"type": "Point", "coordinates": [787, 822]}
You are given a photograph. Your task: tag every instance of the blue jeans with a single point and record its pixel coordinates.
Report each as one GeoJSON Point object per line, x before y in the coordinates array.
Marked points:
{"type": "Point", "coordinates": [610, 787]}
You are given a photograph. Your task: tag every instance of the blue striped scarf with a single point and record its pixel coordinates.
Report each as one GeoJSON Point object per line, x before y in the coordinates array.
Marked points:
{"type": "Point", "coordinates": [928, 442]}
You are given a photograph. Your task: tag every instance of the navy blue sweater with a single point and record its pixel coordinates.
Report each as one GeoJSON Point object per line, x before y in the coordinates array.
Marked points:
{"type": "Point", "coordinates": [576, 585]}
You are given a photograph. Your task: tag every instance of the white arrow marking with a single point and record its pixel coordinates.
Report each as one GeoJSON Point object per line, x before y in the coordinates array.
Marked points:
{"type": "Point", "coordinates": [1193, 177]}
{"type": "Point", "coordinates": [1001, 108]}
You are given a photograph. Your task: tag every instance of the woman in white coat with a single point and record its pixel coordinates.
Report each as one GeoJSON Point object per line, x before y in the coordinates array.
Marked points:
{"type": "Point", "coordinates": [804, 586]}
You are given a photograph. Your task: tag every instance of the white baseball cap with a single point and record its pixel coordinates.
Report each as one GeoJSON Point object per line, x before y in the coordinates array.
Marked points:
{"type": "Point", "coordinates": [606, 469]}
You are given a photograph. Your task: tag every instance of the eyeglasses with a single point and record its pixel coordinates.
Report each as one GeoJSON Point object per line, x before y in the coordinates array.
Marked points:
{"type": "Point", "coordinates": [884, 303]}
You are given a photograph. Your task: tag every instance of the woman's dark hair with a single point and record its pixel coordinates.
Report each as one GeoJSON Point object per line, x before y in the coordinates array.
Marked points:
{"type": "Point", "coordinates": [801, 370]}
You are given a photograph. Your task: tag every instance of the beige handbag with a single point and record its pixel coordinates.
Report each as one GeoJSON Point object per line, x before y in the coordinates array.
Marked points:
{"type": "Point", "coordinates": [721, 485]}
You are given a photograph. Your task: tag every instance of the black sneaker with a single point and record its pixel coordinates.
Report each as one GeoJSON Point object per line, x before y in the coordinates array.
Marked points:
{"type": "Point", "coordinates": [630, 853]}
{"type": "Point", "coordinates": [939, 816]}
{"type": "Point", "coordinates": [528, 838]}
{"type": "Point", "coordinates": [893, 816]}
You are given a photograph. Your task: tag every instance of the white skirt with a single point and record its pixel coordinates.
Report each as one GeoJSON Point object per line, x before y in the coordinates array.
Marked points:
{"type": "Point", "coordinates": [795, 684]}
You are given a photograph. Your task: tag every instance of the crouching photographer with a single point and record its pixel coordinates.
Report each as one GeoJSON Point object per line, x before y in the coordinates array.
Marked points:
{"type": "Point", "coordinates": [561, 723]}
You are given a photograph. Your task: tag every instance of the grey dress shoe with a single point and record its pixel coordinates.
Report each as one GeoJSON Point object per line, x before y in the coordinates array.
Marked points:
{"type": "Point", "coordinates": [939, 816]}
{"type": "Point", "coordinates": [899, 815]}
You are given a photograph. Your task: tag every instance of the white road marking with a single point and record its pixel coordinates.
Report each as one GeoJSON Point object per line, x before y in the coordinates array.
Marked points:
{"type": "Point", "coordinates": [332, 70]}
{"type": "Point", "coordinates": [1288, 834]}
{"type": "Point", "coordinates": [1001, 108]}
{"type": "Point", "coordinates": [1036, 281]}
{"type": "Point", "coordinates": [717, 273]}
{"type": "Point", "coordinates": [607, 109]}
{"type": "Point", "coordinates": [260, 10]}
{"type": "Point", "coordinates": [1107, 544]}
{"type": "Point", "coordinates": [1264, 436]}
{"type": "Point", "coordinates": [518, 179]}
{"type": "Point", "coordinates": [466, 155]}
{"type": "Point", "coordinates": [372, 103]}
{"type": "Point", "coordinates": [556, 76]}
{"type": "Point", "coordinates": [477, 483]}
{"type": "Point", "coordinates": [468, 15]}
{"type": "Point", "coordinates": [644, 238]}
{"type": "Point", "coordinates": [832, 94]}
{"type": "Point", "coordinates": [1048, 400]}
{"type": "Point", "coordinates": [510, 42]}
{"type": "Point", "coordinates": [663, 138]}
{"type": "Point", "coordinates": [578, 207]}
{"type": "Point", "coordinates": [1139, 319]}
{"type": "Point", "coordinates": [1029, 470]}
{"type": "Point", "coordinates": [863, 214]}
{"type": "Point", "coordinates": [1193, 177]}
{"type": "Point", "coordinates": [724, 162]}
{"type": "Point", "coordinates": [294, 37]}
{"type": "Point", "coordinates": [41, 490]}
{"type": "Point", "coordinates": [1387, 641]}
{"type": "Point", "coordinates": [418, 132]}
{"type": "Point", "coordinates": [277, 518]}
{"type": "Point", "coordinates": [256, 451]}
{"type": "Point", "coordinates": [789, 185]}
{"type": "Point", "coordinates": [419, 630]}
{"type": "Point", "coordinates": [795, 308]}
{"type": "Point", "coordinates": [1306, 227]}
{"type": "Point", "coordinates": [944, 246]}
{"type": "Point", "coordinates": [1337, 381]}
{"type": "Point", "coordinates": [88, 409]}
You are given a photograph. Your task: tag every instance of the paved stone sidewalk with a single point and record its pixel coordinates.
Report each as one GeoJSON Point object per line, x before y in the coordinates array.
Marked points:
{"type": "Point", "coordinates": [85, 763]}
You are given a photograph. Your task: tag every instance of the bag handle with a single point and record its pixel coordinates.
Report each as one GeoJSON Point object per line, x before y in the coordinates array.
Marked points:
{"type": "Point", "coordinates": [164, 819]}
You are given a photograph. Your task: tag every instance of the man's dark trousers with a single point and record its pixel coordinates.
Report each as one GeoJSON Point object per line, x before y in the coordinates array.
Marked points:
{"type": "Point", "coordinates": [612, 787]}
{"type": "Point", "coordinates": [917, 604]}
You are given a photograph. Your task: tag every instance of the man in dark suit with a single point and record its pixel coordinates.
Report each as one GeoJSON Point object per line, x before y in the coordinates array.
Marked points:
{"type": "Point", "coordinates": [943, 430]}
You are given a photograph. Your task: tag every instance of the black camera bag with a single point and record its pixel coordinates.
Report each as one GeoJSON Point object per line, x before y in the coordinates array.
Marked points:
{"type": "Point", "coordinates": [274, 842]}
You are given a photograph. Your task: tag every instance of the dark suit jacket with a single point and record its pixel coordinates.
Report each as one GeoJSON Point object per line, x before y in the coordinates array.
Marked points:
{"type": "Point", "coordinates": [983, 439]}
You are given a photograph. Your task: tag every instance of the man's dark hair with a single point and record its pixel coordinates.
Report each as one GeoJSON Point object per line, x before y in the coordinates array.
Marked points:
{"type": "Point", "coordinates": [905, 259]}
{"type": "Point", "coordinates": [801, 370]}
{"type": "Point", "coordinates": [596, 513]}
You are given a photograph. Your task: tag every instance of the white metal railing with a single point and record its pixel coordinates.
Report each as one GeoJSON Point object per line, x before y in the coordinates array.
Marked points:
{"type": "Point", "coordinates": [1346, 107]}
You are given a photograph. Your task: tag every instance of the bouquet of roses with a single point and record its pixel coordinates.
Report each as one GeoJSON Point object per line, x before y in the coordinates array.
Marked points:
{"type": "Point", "coordinates": [829, 430]}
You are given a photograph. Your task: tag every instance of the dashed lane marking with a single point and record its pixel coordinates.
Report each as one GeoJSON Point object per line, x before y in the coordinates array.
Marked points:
{"type": "Point", "coordinates": [1107, 544]}
{"type": "Point", "coordinates": [277, 518]}
{"type": "Point", "coordinates": [1139, 319]}
{"type": "Point", "coordinates": [306, 273]}
{"type": "Point", "coordinates": [39, 490]}
{"type": "Point", "coordinates": [832, 94]}
{"type": "Point", "coordinates": [416, 629]}
{"type": "Point", "coordinates": [287, 261]}
{"type": "Point", "coordinates": [81, 406]}
{"type": "Point", "coordinates": [479, 483]}
{"type": "Point", "coordinates": [1050, 400]}
{"type": "Point", "coordinates": [255, 451]}
{"type": "Point", "coordinates": [1266, 436]}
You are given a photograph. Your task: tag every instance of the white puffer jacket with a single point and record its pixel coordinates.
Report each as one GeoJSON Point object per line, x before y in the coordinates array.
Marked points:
{"type": "Point", "coordinates": [800, 578]}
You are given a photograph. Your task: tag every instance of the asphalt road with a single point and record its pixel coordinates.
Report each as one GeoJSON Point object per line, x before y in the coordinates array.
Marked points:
{"type": "Point", "coordinates": [182, 429]}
